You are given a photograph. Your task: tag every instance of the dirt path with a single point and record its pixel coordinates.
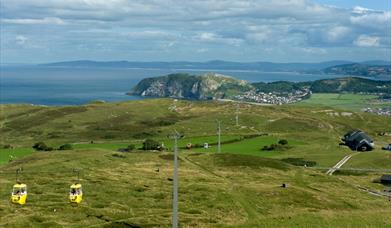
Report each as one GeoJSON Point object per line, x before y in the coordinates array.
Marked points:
{"type": "Point", "coordinates": [339, 164]}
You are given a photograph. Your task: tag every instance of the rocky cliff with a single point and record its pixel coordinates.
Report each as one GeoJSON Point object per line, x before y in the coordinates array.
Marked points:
{"type": "Point", "coordinates": [207, 86]}
{"type": "Point", "coordinates": [215, 86]}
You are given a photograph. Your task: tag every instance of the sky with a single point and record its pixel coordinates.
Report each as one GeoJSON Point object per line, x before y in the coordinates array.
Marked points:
{"type": "Point", "coordinates": [39, 31]}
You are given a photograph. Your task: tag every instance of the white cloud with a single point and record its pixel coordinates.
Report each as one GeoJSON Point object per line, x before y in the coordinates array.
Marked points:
{"type": "Point", "coordinates": [212, 25]}
{"type": "Point", "coordinates": [314, 51]}
{"type": "Point", "coordinates": [202, 50]}
{"type": "Point", "coordinates": [44, 21]}
{"type": "Point", "coordinates": [216, 38]}
{"type": "Point", "coordinates": [367, 41]}
{"type": "Point", "coordinates": [150, 34]}
{"type": "Point", "coordinates": [360, 10]}
{"type": "Point", "coordinates": [376, 20]}
{"type": "Point", "coordinates": [337, 33]}
{"type": "Point", "coordinates": [21, 40]}
{"type": "Point", "coordinates": [207, 36]}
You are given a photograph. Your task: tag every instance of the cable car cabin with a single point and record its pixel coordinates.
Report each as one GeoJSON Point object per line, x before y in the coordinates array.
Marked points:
{"type": "Point", "coordinates": [19, 194]}
{"type": "Point", "coordinates": [76, 193]}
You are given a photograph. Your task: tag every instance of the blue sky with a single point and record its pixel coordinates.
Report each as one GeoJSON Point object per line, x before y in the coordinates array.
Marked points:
{"type": "Point", "coordinates": [371, 4]}
{"type": "Point", "coordinates": [37, 31]}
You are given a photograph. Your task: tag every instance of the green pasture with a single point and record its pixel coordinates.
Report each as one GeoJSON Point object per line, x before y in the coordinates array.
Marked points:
{"type": "Point", "coordinates": [355, 102]}
{"type": "Point", "coordinates": [12, 154]}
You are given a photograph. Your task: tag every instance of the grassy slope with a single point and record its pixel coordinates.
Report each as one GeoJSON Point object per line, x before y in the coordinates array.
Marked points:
{"type": "Point", "coordinates": [222, 190]}
{"type": "Point", "coordinates": [354, 102]}
{"type": "Point", "coordinates": [313, 132]}
{"type": "Point", "coordinates": [214, 191]}
{"type": "Point", "coordinates": [9, 154]}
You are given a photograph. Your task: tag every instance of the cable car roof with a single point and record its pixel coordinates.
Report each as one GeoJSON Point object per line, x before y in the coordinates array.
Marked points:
{"type": "Point", "coordinates": [20, 186]}
{"type": "Point", "coordinates": [76, 186]}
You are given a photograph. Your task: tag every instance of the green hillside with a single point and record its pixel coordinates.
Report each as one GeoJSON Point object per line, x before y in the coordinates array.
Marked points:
{"type": "Point", "coordinates": [360, 69]}
{"type": "Point", "coordinates": [347, 101]}
{"type": "Point", "coordinates": [216, 86]}
{"type": "Point", "coordinates": [240, 187]}
{"type": "Point", "coordinates": [215, 190]}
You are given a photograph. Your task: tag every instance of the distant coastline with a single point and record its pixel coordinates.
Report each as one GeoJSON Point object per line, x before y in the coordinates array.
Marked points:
{"type": "Point", "coordinates": [70, 84]}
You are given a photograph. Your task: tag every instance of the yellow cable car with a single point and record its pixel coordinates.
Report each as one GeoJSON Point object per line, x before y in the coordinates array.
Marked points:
{"type": "Point", "coordinates": [76, 193]}
{"type": "Point", "coordinates": [19, 194]}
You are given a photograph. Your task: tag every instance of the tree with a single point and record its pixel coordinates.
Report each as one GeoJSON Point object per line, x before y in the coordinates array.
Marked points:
{"type": "Point", "coordinates": [131, 147]}
{"type": "Point", "coordinates": [283, 142]}
{"type": "Point", "coordinates": [150, 144]}
{"type": "Point", "coordinates": [6, 146]}
{"type": "Point", "coordinates": [40, 146]}
{"type": "Point", "coordinates": [66, 146]}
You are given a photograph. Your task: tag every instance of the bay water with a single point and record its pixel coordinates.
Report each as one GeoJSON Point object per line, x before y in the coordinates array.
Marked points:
{"type": "Point", "coordinates": [74, 86]}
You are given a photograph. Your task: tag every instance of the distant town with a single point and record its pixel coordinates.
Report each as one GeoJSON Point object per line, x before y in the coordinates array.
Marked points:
{"type": "Point", "coordinates": [386, 111]}
{"type": "Point", "coordinates": [273, 98]}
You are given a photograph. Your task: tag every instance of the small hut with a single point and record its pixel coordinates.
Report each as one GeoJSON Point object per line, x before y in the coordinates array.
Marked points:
{"type": "Point", "coordinates": [358, 140]}
{"type": "Point", "coordinates": [385, 179]}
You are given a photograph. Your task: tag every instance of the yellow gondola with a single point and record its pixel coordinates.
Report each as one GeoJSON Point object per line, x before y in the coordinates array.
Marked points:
{"type": "Point", "coordinates": [19, 194]}
{"type": "Point", "coordinates": [76, 193]}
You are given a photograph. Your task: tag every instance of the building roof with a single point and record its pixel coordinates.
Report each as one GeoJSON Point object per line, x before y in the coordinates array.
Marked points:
{"type": "Point", "coordinates": [357, 136]}
{"type": "Point", "coordinates": [386, 177]}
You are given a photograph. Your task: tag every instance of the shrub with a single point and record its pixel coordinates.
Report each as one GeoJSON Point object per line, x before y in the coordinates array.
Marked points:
{"type": "Point", "coordinates": [131, 147]}
{"type": "Point", "coordinates": [166, 122]}
{"type": "Point", "coordinates": [150, 144]}
{"type": "Point", "coordinates": [283, 142]}
{"type": "Point", "coordinates": [11, 158]}
{"type": "Point", "coordinates": [272, 147]}
{"type": "Point", "coordinates": [6, 146]}
{"type": "Point", "coordinates": [66, 146]}
{"type": "Point", "coordinates": [40, 146]}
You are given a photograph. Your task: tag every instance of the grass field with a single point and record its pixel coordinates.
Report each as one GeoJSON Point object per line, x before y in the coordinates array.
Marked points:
{"type": "Point", "coordinates": [248, 146]}
{"type": "Point", "coordinates": [312, 130]}
{"type": "Point", "coordinates": [238, 188]}
{"type": "Point", "coordinates": [355, 102]}
{"type": "Point", "coordinates": [215, 191]}
{"type": "Point", "coordinates": [11, 154]}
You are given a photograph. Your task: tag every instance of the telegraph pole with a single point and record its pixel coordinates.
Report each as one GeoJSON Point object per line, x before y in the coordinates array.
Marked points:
{"type": "Point", "coordinates": [175, 136]}
{"type": "Point", "coordinates": [237, 114]}
{"type": "Point", "coordinates": [219, 136]}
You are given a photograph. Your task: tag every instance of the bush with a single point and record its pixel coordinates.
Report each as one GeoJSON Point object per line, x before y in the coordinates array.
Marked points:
{"type": "Point", "coordinates": [283, 142]}
{"type": "Point", "coordinates": [272, 147]}
{"type": "Point", "coordinates": [66, 146]}
{"type": "Point", "coordinates": [40, 146]}
{"type": "Point", "coordinates": [131, 147]}
{"type": "Point", "coordinates": [6, 146]}
{"type": "Point", "coordinates": [150, 144]}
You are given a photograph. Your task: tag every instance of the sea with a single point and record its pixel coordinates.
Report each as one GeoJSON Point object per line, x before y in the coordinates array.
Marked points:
{"type": "Point", "coordinates": [75, 86]}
